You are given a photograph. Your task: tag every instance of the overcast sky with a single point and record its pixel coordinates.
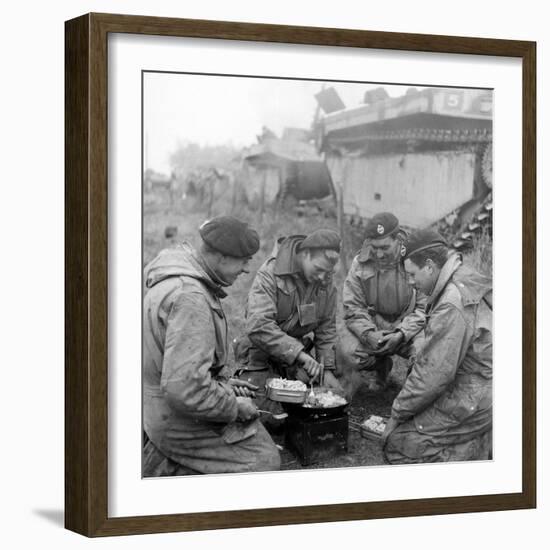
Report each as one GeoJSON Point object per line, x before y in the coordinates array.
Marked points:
{"type": "Point", "coordinates": [223, 109]}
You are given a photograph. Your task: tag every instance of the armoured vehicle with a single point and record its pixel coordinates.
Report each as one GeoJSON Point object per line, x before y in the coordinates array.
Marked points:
{"type": "Point", "coordinates": [280, 168]}
{"type": "Point", "coordinates": [426, 156]}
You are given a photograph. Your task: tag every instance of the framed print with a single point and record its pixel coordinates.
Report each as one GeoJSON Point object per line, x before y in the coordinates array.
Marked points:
{"type": "Point", "coordinates": [293, 256]}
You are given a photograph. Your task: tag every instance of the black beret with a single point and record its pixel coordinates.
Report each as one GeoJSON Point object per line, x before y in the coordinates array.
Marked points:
{"type": "Point", "coordinates": [381, 225]}
{"type": "Point", "coordinates": [422, 240]}
{"type": "Point", "coordinates": [322, 238]}
{"type": "Point", "coordinates": [230, 236]}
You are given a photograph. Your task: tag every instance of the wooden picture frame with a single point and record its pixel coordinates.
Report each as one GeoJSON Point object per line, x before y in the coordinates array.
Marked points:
{"type": "Point", "coordinates": [86, 279]}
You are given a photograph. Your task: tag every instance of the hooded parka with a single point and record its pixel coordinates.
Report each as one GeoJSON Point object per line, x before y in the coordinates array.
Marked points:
{"type": "Point", "coordinates": [189, 409]}
{"type": "Point", "coordinates": [445, 406]}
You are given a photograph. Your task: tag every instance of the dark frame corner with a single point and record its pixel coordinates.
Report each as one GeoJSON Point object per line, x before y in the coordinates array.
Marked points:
{"type": "Point", "coordinates": [86, 265]}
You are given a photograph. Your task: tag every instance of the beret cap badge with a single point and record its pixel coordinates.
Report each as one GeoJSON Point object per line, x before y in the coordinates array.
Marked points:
{"type": "Point", "coordinates": [381, 225]}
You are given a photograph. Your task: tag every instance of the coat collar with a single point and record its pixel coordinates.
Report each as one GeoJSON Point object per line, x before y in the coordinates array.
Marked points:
{"type": "Point", "coordinates": [182, 261]}
{"type": "Point", "coordinates": [447, 271]}
{"type": "Point", "coordinates": [473, 286]}
{"type": "Point", "coordinates": [207, 275]}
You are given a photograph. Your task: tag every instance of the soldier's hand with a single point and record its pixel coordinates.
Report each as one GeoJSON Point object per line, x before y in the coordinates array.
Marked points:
{"type": "Point", "coordinates": [390, 427]}
{"type": "Point", "coordinates": [373, 339]}
{"type": "Point", "coordinates": [246, 409]}
{"type": "Point", "coordinates": [302, 375]}
{"type": "Point", "coordinates": [390, 342]}
{"type": "Point", "coordinates": [309, 364]}
{"type": "Point", "coordinates": [242, 388]}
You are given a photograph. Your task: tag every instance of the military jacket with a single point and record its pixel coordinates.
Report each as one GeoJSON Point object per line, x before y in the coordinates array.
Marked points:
{"type": "Point", "coordinates": [185, 348]}
{"type": "Point", "coordinates": [379, 298]}
{"type": "Point", "coordinates": [276, 320]}
{"type": "Point", "coordinates": [451, 380]}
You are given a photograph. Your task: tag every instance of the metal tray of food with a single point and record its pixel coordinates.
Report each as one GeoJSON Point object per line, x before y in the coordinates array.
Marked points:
{"type": "Point", "coordinates": [373, 427]}
{"type": "Point", "coordinates": [285, 391]}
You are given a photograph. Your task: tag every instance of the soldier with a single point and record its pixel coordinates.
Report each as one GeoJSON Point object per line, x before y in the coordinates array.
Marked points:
{"type": "Point", "coordinates": [197, 419]}
{"type": "Point", "coordinates": [444, 410]}
{"type": "Point", "coordinates": [291, 311]}
{"type": "Point", "coordinates": [382, 312]}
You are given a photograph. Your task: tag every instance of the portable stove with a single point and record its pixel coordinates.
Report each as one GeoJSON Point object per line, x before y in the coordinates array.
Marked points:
{"type": "Point", "coordinates": [315, 435]}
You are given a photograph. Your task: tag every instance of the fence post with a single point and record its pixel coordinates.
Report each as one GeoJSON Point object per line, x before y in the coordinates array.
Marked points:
{"type": "Point", "coordinates": [211, 197]}
{"type": "Point", "coordinates": [234, 180]}
{"type": "Point", "coordinates": [342, 226]}
{"type": "Point", "coordinates": [262, 198]}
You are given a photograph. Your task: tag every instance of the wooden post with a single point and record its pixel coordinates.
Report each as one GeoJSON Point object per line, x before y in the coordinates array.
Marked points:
{"type": "Point", "coordinates": [342, 227]}
{"type": "Point", "coordinates": [262, 198]}
{"type": "Point", "coordinates": [211, 197]}
{"type": "Point", "coordinates": [234, 179]}
{"type": "Point", "coordinates": [281, 194]}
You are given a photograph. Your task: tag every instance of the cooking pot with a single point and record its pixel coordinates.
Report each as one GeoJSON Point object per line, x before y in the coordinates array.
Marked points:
{"type": "Point", "coordinates": [302, 410]}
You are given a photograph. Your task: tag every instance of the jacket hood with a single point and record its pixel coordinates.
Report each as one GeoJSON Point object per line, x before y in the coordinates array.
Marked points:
{"type": "Point", "coordinates": [284, 252]}
{"type": "Point", "coordinates": [181, 261]}
{"type": "Point", "coordinates": [454, 261]}
{"type": "Point", "coordinates": [473, 286]}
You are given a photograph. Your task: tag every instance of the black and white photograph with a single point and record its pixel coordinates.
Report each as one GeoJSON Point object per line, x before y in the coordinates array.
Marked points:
{"type": "Point", "coordinates": [317, 274]}
{"type": "Point", "coordinates": [260, 290]}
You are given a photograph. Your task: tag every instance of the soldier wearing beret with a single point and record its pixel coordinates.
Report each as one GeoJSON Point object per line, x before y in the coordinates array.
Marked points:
{"type": "Point", "coordinates": [444, 410]}
{"type": "Point", "coordinates": [196, 418]}
{"type": "Point", "coordinates": [382, 312]}
{"type": "Point", "coordinates": [291, 313]}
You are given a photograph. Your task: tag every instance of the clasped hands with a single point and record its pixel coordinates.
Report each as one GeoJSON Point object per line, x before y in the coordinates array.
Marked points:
{"type": "Point", "coordinates": [383, 342]}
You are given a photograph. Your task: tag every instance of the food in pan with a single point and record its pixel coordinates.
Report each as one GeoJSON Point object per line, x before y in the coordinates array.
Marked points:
{"type": "Point", "coordinates": [325, 399]}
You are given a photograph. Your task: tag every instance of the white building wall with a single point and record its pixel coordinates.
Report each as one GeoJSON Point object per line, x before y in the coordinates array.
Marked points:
{"type": "Point", "coordinates": [419, 188]}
